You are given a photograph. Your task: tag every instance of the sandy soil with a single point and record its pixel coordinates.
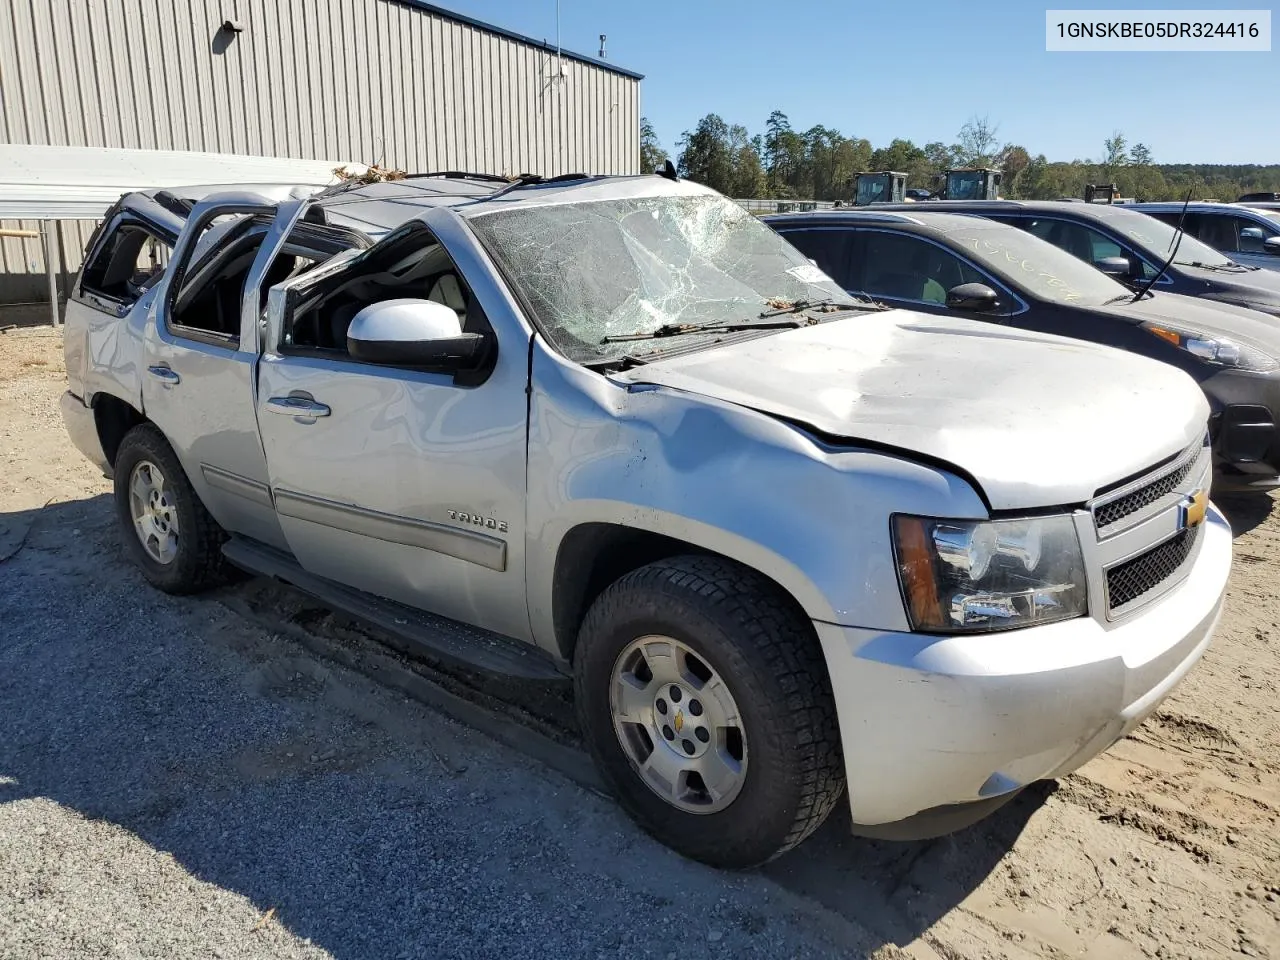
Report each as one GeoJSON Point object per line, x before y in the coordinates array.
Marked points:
{"type": "Point", "coordinates": [1166, 846]}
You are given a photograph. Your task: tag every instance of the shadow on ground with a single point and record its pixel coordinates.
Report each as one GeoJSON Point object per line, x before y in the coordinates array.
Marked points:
{"type": "Point", "coordinates": [374, 827]}
{"type": "Point", "coordinates": [1245, 511]}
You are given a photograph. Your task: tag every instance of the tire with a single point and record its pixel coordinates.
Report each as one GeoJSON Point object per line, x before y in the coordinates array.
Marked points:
{"type": "Point", "coordinates": [192, 561]}
{"type": "Point", "coordinates": [738, 627]}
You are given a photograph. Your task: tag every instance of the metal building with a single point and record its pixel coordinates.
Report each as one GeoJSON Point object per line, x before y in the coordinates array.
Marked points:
{"type": "Point", "coordinates": [402, 83]}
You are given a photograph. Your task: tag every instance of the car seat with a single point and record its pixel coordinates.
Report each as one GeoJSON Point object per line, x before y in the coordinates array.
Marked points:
{"type": "Point", "coordinates": [1220, 233]}
{"type": "Point", "coordinates": [448, 290]}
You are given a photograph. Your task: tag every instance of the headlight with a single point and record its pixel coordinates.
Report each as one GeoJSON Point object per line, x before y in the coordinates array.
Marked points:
{"type": "Point", "coordinates": [961, 576]}
{"type": "Point", "coordinates": [1213, 348]}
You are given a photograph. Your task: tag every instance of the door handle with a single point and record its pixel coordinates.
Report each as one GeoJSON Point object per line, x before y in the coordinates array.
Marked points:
{"type": "Point", "coordinates": [297, 407]}
{"type": "Point", "coordinates": [164, 375]}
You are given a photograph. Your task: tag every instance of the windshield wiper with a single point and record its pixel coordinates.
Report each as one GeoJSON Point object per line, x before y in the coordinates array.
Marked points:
{"type": "Point", "coordinates": [1126, 296]}
{"type": "Point", "coordinates": [828, 305]}
{"type": "Point", "coordinates": [624, 362]}
{"type": "Point", "coordinates": [1228, 267]}
{"type": "Point", "coordinates": [780, 308]}
{"type": "Point", "coordinates": [715, 326]}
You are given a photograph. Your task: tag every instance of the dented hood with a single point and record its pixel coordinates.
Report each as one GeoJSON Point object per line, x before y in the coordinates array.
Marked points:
{"type": "Point", "coordinates": [1035, 420]}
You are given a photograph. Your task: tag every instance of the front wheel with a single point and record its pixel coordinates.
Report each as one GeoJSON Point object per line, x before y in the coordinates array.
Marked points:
{"type": "Point", "coordinates": [165, 527]}
{"type": "Point", "coordinates": [704, 699]}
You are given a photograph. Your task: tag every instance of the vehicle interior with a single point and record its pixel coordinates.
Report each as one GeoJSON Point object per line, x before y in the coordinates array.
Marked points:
{"type": "Point", "coordinates": [1221, 233]}
{"type": "Point", "coordinates": [912, 269]}
{"type": "Point", "coordinates": [129, 264]}
{"type": "Point", "coordinates": [209, 299]}
{"type": "Point", "coordinates": [412, 265]}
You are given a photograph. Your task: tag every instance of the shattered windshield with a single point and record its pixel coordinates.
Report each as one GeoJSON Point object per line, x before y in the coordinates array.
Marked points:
{"type": "Point", "coordinates": [1037, 265]}
{"type": "Point", "coordinates": [607, 268]}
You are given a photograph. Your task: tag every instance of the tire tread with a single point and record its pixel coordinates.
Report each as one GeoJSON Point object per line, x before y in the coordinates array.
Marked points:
{"type": "Point", "coordinates": [777, 632]}
{"type": "Point", "coordinates": [203, 565]}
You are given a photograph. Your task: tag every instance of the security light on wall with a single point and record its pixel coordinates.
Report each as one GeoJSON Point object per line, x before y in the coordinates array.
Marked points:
{"type": "Point", "coordinates": [233, 26]}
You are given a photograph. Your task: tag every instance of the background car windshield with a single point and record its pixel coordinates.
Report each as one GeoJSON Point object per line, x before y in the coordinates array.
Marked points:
{"type": "Point", "coordinates": [615, 267]}
{"type": "Point", "coordinates": [1157, 238]}
{"type": "Point", "coordinates": [1036, 265]}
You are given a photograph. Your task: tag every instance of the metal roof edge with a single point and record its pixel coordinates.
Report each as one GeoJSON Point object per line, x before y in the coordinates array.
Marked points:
{"type": "Point", "coordinates": [519, 37]}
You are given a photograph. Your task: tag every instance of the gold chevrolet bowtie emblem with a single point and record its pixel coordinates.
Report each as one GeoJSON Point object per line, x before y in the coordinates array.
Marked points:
{"type": "Point", "coordinates": [679, 721]}
{"type": "Point", "coordinates": [1195, 508]}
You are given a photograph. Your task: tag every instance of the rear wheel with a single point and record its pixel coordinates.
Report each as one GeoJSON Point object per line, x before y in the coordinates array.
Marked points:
{"type": "Point", "coordinates": [165, 527]}
{"type": "Point", "coordinates": [705, 701]}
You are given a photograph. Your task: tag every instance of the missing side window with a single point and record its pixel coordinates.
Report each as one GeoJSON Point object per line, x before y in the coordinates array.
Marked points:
{"type": "Point", "coordinates": [129, 263]}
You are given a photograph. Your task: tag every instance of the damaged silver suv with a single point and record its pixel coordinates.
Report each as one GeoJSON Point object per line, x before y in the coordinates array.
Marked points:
{"type": "Point", "coordinates": [784, 539]}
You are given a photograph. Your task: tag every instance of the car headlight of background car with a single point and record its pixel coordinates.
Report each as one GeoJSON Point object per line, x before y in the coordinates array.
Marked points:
{"type": "Point", "coordinates": [1213, 348]}
{"type": "Point", "coordinates": [964, 576]}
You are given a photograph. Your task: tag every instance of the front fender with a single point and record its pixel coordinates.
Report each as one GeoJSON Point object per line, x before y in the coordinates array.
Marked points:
{"type": "Point", "coordinates": [722, 478]}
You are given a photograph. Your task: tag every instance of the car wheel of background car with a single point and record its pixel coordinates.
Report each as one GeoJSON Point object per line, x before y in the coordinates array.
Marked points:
{"type": "Point", "coordinates": [705, 702]}
{"type": "Point", "coordinates": [165, 527]}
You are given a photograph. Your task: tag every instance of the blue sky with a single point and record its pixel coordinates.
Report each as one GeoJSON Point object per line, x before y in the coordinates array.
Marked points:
{"type": "Point", "coordinates": [918, 70]}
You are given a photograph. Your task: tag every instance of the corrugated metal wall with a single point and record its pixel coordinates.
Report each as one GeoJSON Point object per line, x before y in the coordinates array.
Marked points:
{"type": "Point", "coordinates": [365, 80]}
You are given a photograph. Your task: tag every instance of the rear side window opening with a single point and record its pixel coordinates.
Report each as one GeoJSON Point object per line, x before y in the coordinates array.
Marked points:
{"type": "Point", "coordinates": [128, 264]}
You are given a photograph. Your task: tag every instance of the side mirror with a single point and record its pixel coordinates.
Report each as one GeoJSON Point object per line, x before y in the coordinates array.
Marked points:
{"type": "Point", "coordinates": [1114, 266]}
{"type": "Point", "coordinates": [973, 297]}
{"type": "Point", "coordinates": [414, 333]}
{"type": "Point", "coordinates": [1272, 246]}
{"type": "Point", "coordinates": [1252, 233]}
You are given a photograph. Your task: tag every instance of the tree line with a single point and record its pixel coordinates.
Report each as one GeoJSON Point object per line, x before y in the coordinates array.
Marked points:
{"type": "Point", "coordinates": [821, 163]}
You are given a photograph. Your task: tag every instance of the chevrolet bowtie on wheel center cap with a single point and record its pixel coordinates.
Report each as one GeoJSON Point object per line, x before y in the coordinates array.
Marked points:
{"type": "Point", "coordinates": [679, 725]}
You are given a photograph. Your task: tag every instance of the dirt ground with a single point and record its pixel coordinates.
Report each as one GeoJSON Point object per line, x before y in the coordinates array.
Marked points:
{"type": "Point", "coordinates": [1166, 846]}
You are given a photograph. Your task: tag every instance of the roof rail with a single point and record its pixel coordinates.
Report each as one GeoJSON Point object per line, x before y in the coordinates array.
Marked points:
{"type": "Point", "coordinates": [459, 175]}
{"type": "Point", "coordinates": [883, 216]}
{"type": "Point", "coordinates": [175, 204]}
{"type": "Point", "coordinates": [861, 213]}
{"type": "Point", "coordinates": [536, 180]}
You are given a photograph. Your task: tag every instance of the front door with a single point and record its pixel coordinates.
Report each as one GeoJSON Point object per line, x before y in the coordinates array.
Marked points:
{"type": "Point", "coordinates": [915, 273]}
{"type": "Point", "coordinates": [404, 483]}
{"type": "Point", "coordinates": [1242, 239]}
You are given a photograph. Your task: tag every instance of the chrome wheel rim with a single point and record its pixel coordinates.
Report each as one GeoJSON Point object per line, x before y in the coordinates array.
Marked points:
{"type": "Point", "coordinates": [154, 512]}
{"type": "Point", "coordinates": [678, 724]}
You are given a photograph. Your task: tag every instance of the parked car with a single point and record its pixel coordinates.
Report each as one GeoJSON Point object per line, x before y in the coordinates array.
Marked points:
{"type": "Point", "coordinates": [959, 265]}
{"type": "Point", "coordinates": [617, 428]}
{"type": "Point", "coordinates": [1264, 197]}
{"type": "Point", "coordinates": [1242, 234]}
{"type": "Point", "coordinates": [1132, 246]}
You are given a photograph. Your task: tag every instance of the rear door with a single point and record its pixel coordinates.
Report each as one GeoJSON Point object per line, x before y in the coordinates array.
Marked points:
{"type": "Point", "coordinates": [201, 355]}
{"type": "Point", "coordinates": [828, 247]}
{"type": "Point", "coordinates": [404, 483]}
{"type": "Point", "coordinates": [124, 262]}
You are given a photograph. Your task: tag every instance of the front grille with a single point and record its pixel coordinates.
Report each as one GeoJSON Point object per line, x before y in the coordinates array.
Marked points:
{"type": "Point", "coordinates": [1131, 503]}
{"type": "Point", "coordinates": [1128, 581]}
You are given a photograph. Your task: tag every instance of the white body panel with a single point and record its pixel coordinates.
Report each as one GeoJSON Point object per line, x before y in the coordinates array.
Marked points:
{"type": "Point", "coordinates": [934, 721]}
{"type": "Point", "coordinates": [1030, 417]}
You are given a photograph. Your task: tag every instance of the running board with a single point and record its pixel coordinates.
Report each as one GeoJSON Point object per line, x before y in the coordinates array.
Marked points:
{"type": "Point", "coordinates": [411, 631]}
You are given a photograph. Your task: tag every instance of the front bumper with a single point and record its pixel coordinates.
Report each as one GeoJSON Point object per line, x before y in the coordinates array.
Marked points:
{"type": "Point", "coordinates": [1245, 429]}
{"type": "Point", "coordinates": [931, 722]}
{"type": "Point", "coordinates": [83, 430]}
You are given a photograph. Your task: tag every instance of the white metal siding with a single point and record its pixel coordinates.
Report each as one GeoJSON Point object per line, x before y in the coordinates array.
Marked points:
{"type": "Point", "coordinates": [363, 80]}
